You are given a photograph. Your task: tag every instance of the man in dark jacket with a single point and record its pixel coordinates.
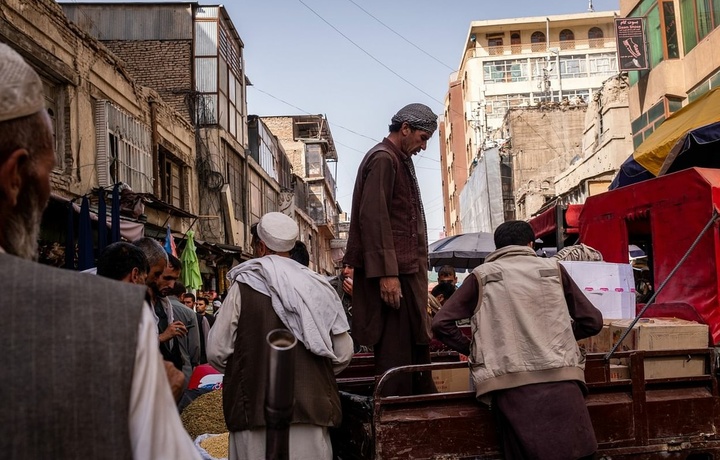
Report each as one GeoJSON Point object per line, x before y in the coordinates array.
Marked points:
{"type": "Point", "coordinates": [387, 246]}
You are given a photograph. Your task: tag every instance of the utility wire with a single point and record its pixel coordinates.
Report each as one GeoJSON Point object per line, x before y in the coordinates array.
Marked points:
{"type": "Point", "coordinates": [420, 157]}
{"type": "Point", "coordinates": [308, 113]}
{"type": "Point", "coordinates": [405, 39]}
{"type": "Point", "coordinates": [370, 55]}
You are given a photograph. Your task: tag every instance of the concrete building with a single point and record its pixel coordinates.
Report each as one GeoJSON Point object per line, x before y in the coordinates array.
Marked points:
{"type": "Point", "coordinates": [683, 41]}
{"type": "Point", "coordinates": [607, 142]}
{"type": "Point", "coordinates": [309, 144]}
{"type": "Point", "coordinates": [519, 62]}
{"type": "Point", "coordinates": [108, 128]}
{"type": "Point", "coordinates": [542, 141]}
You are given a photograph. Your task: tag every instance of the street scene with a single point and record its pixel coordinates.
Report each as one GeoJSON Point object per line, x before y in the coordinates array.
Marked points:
{"type": "Point", "coordinates": [357, 230]}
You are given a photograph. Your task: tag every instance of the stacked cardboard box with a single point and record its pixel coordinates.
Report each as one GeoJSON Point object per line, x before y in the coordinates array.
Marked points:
{"type": "Point", "coordinates": [664, 334]}
{"type": "Point", "coordinates": [652, 334]}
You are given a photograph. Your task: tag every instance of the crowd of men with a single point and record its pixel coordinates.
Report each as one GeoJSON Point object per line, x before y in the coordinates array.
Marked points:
{"type": "Point", "coordinates": [97, 380]}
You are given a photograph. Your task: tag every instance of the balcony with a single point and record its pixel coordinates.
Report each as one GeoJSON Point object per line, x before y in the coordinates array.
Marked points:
{"type": "Point", "coordinates": [330, 182]}
{"type": "Point", "coordinates": [595, 44]}
{"type": "Point", "coordinates": [321, 209]}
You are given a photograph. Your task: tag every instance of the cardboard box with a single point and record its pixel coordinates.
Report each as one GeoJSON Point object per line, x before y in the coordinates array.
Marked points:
{"type": "Point", "coordinates": [665, 334]}
{"type": "Point", "coordinates": [595, 276]}
{"type": "Point", "coordinates": [613, 305]}
{"type": "Point", "coordinates": [674, 366]}
{"type": "Point", "coordinates": [600, 343]}
{"type": "Point", "coordinates": [448, 380]}
{"type": "Point", "coordinates": [610, 287]}
{"type": "Point", "coordinates": [660, 334]}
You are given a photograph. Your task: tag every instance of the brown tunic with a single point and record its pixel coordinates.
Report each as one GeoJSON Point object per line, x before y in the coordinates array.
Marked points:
{"type": "Point", "coordinates": [388, 238]}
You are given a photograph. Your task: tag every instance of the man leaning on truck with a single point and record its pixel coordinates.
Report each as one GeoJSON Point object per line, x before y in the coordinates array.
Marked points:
{"type": "Point", "coordinates": [526, 316]}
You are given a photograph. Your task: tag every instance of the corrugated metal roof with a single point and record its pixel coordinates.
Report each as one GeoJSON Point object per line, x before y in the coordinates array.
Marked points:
{"type": "Point", "coordinates": [132, 21]}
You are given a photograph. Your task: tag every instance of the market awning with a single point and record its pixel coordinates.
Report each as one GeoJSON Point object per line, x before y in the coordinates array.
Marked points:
{"type": "Point", "coordinates": [546, 223]}
{"type": "Point", "coordinates": [667, 141]}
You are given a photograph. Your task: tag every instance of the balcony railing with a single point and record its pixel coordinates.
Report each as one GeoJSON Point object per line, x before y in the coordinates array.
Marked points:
{"type": "Point", "coordinates": [532, 48]}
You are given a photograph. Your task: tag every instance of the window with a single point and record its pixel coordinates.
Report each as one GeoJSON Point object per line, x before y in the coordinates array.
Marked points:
{"type": "Point", "coordinates": [313, 160]}
{"type": "Point", "coordinates": [567, 39]}
{"type": "Point", "coordinates": [505, 71]}
{"type": "Point", "coordinates": [55, 105]}
{"type": "Point", "coordinates": [595, 37]}
{"type": "Point", "coordinates": [538, 42]}
{"type": "Point", "coordinates": [236, 182]}
{"type": "Point", "coordinates": [671, 38]}
{"type": "Point", "coordinates": [172, 181]}
{"type": "Point", "coordinates": [602, 64]}
{"type": "Point", "coordinates": [573, 67]}
{"type": "Point", "coordinates": [316, 203]}
{"type": "Point", "coordinates": [230, 81]}
{"type": "Point", "coordinates": [495, 45]}
{"type": "Point", "coordinates": [698, 17]}
{"type": "Point", "coordinates": [515, 42]}
{"type": "Point", "coordinates": [124, 152]}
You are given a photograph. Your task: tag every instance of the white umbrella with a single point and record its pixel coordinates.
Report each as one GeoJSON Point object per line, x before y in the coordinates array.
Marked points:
{"type": "Point", "coordinates": [464, 251]}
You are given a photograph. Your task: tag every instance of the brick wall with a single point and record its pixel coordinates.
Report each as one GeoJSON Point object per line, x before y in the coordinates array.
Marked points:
{"type": "Point", "coordinates": [166, 66]}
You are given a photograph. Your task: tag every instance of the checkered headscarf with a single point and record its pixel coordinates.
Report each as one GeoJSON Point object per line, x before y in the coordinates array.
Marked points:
{"type": "Point", "coordinates": [418, 116]}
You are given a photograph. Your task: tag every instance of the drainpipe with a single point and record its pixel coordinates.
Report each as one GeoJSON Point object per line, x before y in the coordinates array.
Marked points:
{"type": "Point", "coordinates": [155, 139]}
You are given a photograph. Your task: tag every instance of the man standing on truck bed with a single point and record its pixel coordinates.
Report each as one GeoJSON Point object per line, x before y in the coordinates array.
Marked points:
{"type": "Point", "coordinates": [526, 316]}
{"type": "Point", "coordinates": [387, 246]}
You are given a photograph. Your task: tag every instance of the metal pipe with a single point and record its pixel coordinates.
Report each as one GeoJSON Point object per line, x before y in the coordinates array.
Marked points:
{"type": "Point", "coordinates": [279, 396]}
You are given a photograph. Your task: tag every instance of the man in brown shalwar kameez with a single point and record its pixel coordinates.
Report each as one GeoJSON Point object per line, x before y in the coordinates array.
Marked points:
{"type": "Point", "coordinates": [387, 246]}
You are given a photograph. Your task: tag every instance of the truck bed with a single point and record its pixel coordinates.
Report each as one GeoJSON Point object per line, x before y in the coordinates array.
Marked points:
{"type": "Point", "coordinates": [634, 418]}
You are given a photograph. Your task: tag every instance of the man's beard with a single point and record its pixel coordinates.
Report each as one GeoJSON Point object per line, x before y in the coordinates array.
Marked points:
{"type": "Point", "coordinates": [22, 228]}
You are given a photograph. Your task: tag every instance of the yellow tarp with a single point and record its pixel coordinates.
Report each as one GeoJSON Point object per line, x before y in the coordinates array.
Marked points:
{"type": "Point", "coordinates": [703, 111]}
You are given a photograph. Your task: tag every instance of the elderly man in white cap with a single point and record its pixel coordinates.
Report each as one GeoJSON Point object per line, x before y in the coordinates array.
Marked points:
{"type": "Point", "coordinates": [271, 292]}
{"type": "Point", "coordinates": [84, 382]}
{"type": "Point", "coordinates": [387, 246]}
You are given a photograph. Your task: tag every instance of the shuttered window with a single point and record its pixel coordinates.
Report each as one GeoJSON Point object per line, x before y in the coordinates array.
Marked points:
{"type": "Point", "coordinates": [124, 149]}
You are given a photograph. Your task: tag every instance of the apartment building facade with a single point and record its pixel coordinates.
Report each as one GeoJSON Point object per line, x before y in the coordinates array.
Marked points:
{"type": "Point", "coordinates": [522, 62]}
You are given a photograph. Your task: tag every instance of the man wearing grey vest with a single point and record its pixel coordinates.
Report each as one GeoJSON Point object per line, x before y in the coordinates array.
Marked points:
{"type": "Point", "coordinates": [80, 382]}
{"type": "Point", "coordinates": [271, 292]}
{"type": "Point", "coordinates": [526, 316]}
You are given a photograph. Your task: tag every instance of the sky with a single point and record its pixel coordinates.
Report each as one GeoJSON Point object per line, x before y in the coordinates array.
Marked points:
{"type": "Point", "coordinates": [359, 61]}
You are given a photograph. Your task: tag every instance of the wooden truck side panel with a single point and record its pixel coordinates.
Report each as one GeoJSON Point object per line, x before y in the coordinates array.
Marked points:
{"type": "Point", "coordinates": [632, 418]}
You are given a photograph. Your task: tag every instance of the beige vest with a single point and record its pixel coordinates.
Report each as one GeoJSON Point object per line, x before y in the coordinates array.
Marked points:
{"type": "Point", "coordinates": [522, 332]}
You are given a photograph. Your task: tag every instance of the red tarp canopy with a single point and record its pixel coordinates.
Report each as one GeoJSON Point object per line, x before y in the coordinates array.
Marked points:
{"type": "Point", "coordinates": [670, 212]}
{"type": "Point", "coordinates": [545, 223]}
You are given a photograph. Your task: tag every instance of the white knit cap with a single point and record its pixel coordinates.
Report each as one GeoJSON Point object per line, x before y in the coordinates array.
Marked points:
{"type": "Point", "coordinates": [278, 231]}
{"type": "Point", "coordinates": [21, 92]}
